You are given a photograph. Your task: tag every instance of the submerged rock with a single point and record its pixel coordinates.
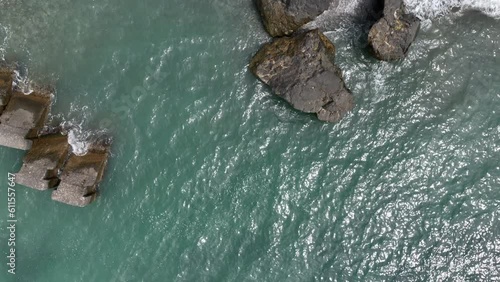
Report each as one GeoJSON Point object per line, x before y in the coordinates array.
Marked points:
{"type": "Point", "coordinates": [43, 162]}
{"type": "Point", "coordinates": [391, 37]}
{"type": "Point", "coordinates": [81, 176]}
{"type": "Point", "coordinates": [23, 117]}
{"type": "Point", "coordinates": [283, 17]}
{"type": "Point", "coordinates": [300, 69]}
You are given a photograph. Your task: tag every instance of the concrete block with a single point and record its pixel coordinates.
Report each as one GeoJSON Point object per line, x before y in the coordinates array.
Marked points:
{"type": "Point", "coordinates": [80, 178]}
{"type": "Point", "coordinates": [43, 162]}
{"type": "Point", "coordinates": [23, 117]}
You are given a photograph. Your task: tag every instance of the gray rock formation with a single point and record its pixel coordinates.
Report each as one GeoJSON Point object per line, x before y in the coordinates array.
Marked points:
{"type": "Point", "coordinates": [300, 69]}
{"type": "Point", "coordinates": [23, 117]}
{"type": "Point", "coordinates": [43, 162]}
{"type": "Point", "coordinates": [80, 177]}
{"type": "Point", "coordinates": [391, 37]}
{"type": "Point", "coordinates": [283, 17]}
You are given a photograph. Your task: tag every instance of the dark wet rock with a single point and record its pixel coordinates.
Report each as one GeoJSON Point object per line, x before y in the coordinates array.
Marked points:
{"type": "Point", "coordinates": [6, 79]}
{"type": "Point", "coordinates": [391, 37]}
{"type": "Point", "coordinates": [23, 117]}
{"type": "Point", "coordinates": [43, 162]}
{"type": "Point", "coordinates": [300, 69]}
{"type": "Point", "coordinates": [283, 17]}
{"type": "Point", "coordinates": [81, 176]}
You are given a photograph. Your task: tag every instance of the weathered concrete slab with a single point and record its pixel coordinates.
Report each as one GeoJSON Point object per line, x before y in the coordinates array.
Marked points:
{"type": "Point", "coordinates": [42, 163]}
{"type": "Point", "coordinates": [23, 117]}
{"type": "Point", "coordinates": [80, 178]}
{"type": "Point", "coordinates": [6, 79]}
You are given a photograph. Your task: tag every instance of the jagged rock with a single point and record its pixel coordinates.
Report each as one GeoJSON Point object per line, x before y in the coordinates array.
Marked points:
{"type": "Point", "coordinates": [80, 177]}
{"type": "Point", "coordinates": [43, 162]}
{"type": "Point", "coordinates": [300, 69]}
{"type": "Point", "coordinates": [391, 37]}
{"type": "Point", "coordinates": [6, 79]}
{"type": "Point", "coordinates": [283, 17]}
{"type": "Point", "coordinates": [23, 117]}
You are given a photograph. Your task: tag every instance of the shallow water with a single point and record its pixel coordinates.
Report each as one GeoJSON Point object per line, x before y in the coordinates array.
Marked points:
{"type": "Point", "coordinates": [214, 179]}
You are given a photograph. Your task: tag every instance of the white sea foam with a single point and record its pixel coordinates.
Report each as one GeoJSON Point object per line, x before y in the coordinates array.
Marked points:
{"type": "Point", "coordinates": [78, 144]}
{"type": "Point", "coordinates": [82, 140]}
{"type": "Point", "coordinates": [22, 83]}
{"type": "Point", "coordinates": [77, 138]}
{"type": "Point", "coordinates": [347, 6]}
{"type": "Point", "coordinates": [428, 9]}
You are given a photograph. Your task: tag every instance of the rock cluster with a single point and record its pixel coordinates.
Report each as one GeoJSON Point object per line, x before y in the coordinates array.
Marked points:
{"type": "Point", "coordinates": [49, 162]}
{"type": "Point", "coordinates": [299, 67]}
{"type": "Point", "coordinates": [391, 37]}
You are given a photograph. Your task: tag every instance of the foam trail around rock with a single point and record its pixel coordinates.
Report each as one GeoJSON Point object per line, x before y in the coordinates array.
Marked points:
{"type": "Point", "coordinates": [429, 9]}
{"type": "Point", "coordinates": [22, 83]}
{"type": "Point", "coordinates": [78, 138]}
{"type": "Point", "coordinates": [425, 9]}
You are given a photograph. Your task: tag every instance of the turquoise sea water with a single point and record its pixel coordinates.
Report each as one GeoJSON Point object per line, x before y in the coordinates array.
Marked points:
{"type": "Point", "coordinates": [214, 179]}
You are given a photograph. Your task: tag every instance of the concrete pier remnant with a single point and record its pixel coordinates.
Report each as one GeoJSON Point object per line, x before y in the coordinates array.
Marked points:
{"type": "Point", "coordinates": [23, 117]}
{"type": "Point", "coordinates": [81, 176]}
{"type": "Point", "coordinates": [6, 79]}
{"type": "Point", "coordinates": [49, 162]}
{"type": "Point", "coordinates": [43, 162]}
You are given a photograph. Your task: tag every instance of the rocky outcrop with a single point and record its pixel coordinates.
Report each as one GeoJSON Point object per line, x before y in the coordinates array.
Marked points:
{"type": "Point", "coordinates": [43, 162]}
{"type": "Point", "coordinates": [391, 37]}
{"type": "Point", "coordinates": [23, 117]}
{"type": "Point", "coordinates": [301, 70]}
{"type": "Point", "coordinates": [283, 17]}
{"type": "Point", "coordinates": [81, 176]}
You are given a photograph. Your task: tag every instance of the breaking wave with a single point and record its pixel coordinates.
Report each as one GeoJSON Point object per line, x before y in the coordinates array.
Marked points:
{"type": "Point", "coordinates": [78, 138]}
{"type": "Point", "coordinates": [82, 140]}
{"type": "Point", "coordinates": [22, 83]}
{"type": "Point", "coordinates": [428, 9]}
